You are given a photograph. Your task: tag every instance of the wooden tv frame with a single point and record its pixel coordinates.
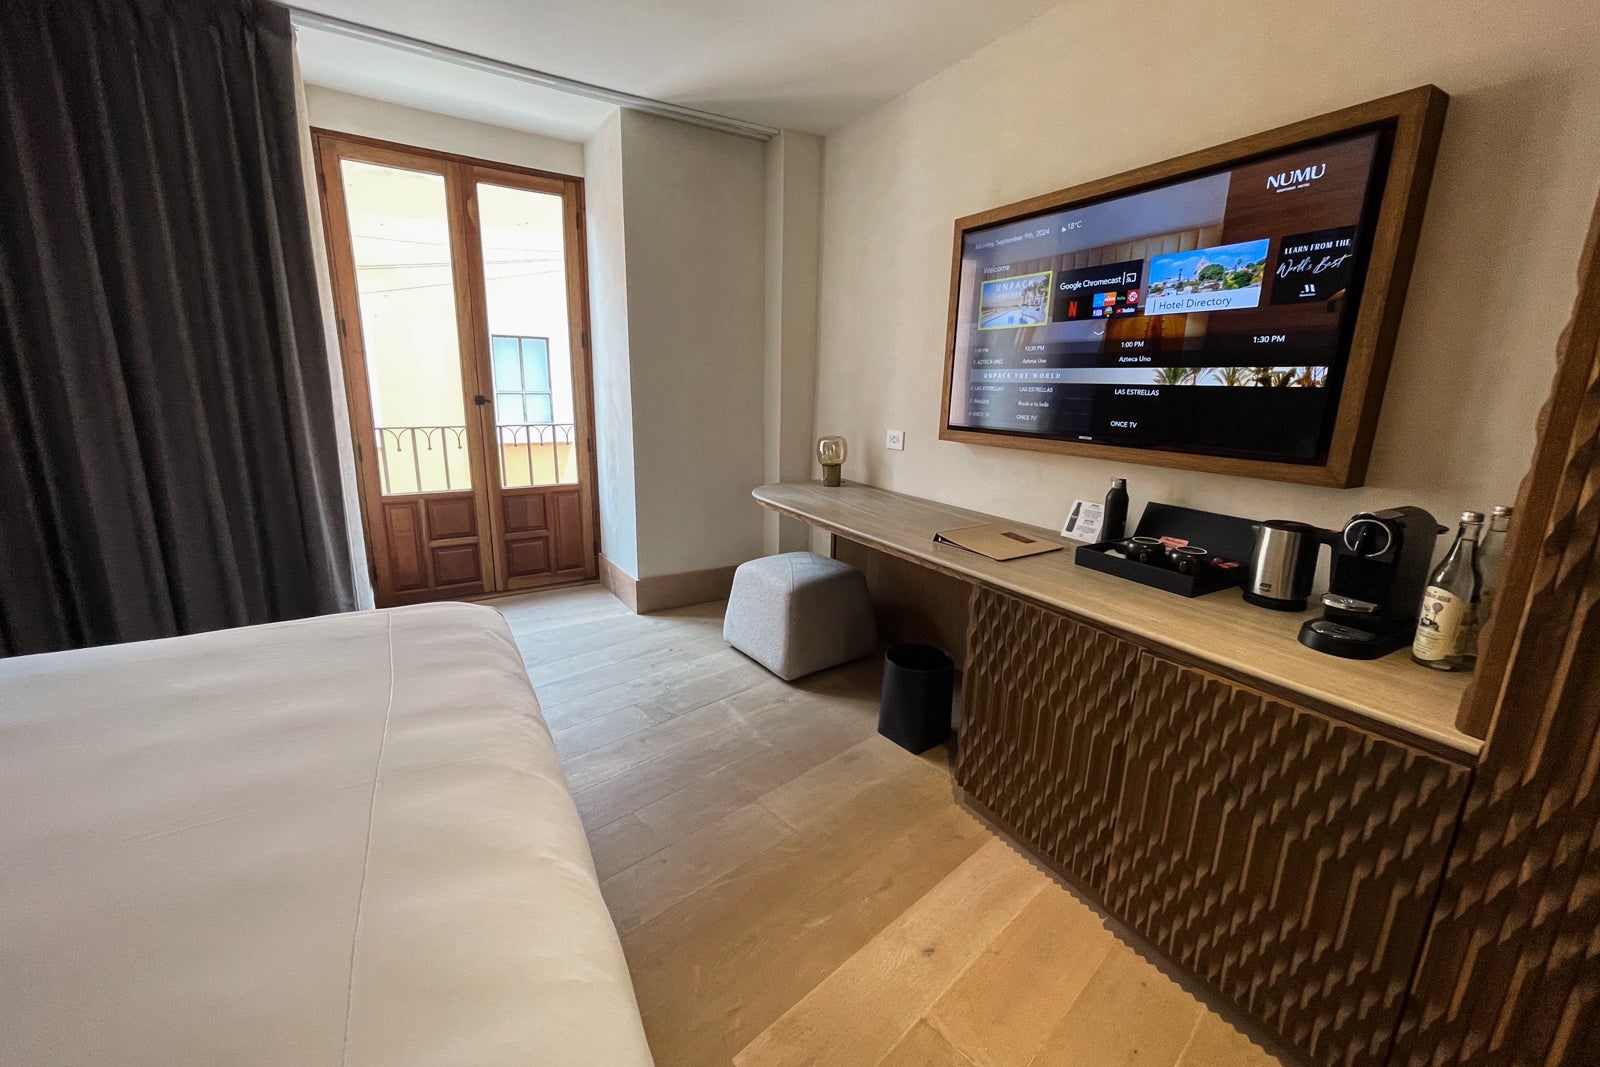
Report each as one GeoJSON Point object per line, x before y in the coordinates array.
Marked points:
{"type": "Point", "coordinates": [1417, 119]}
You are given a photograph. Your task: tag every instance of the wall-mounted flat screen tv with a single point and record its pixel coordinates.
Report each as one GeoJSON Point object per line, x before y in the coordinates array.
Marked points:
{"type": "Point", "coordinates": [1210, 307]}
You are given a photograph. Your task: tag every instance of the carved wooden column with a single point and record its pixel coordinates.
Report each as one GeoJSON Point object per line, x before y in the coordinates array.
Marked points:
{"type": "Point", "coordinates": [1511, 971]}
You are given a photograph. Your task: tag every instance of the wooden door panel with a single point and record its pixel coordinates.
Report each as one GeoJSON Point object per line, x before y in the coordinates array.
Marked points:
{"type": "Point", "coordinates": [455, 565]}
{"type": "Point", "coordinates": [422, 558]}
{"type": "Point", "coordinates": [569, 539]}
{"type": "Point", "coordinates": [402, 527]}
{"type": "Point", "coordinates": [528, 557]}
{"type": "Point", "coordinates": [526, 513]}
{"type": "Point", "coordinates": [426, 561]}
{"type": "Point", "coordinates": [528, 554]}
{"type": "Point", "coordinates": [448, 518]}
{"type": "Point", "coordinates": [544, 534]}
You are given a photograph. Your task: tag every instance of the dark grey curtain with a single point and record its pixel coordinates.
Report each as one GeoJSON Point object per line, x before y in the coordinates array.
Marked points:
{"type": "Point", "coordinates": [167, 450]}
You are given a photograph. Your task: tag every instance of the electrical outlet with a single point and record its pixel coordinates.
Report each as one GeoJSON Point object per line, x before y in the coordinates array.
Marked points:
{"type": "Point", "coordinates": [896, 439]}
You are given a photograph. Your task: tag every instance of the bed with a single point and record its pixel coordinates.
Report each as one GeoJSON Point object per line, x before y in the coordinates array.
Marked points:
{"type": "Point", "coordinates": [343, 840]}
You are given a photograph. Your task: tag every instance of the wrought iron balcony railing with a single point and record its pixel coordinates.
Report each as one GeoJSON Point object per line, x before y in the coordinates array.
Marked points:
{"type": "Point", "coordinates": [433, 459]}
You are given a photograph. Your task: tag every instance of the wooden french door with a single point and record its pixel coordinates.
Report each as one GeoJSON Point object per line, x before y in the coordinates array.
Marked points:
{"type": "Point", "coordinates": [463, 323]}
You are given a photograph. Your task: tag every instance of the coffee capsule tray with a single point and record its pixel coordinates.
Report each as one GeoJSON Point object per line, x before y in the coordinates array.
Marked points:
{"type": "Point", "coordinates": [1227, 539]}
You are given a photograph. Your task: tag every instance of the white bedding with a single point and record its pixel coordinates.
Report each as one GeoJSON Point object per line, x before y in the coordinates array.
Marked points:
{"type": "Point", "coordinates": [344, 840]}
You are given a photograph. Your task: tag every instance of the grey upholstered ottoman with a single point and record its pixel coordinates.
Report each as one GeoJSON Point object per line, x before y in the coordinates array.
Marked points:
{"type": "Point", "coordinates": [799, 612]}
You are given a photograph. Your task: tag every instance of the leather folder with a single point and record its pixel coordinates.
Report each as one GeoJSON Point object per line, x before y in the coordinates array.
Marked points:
{"type": "Point", "coordinates": [997, 541]}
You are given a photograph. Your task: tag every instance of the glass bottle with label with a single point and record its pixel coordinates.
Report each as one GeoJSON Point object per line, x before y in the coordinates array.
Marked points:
{"type": "Point", "coordinates": [1450, 603]}
{"type": "Point", "coordinates": [1490, 553]}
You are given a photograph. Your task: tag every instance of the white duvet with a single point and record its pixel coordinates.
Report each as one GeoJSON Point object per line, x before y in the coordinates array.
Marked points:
{"type": "Point", "coordinates": [344, 840]}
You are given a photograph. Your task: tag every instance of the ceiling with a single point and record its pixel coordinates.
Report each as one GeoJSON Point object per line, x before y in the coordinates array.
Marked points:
{"type": "Point", "coordinates": [811, 65]}
{"type": "Point", "coordinates": [402, 77]}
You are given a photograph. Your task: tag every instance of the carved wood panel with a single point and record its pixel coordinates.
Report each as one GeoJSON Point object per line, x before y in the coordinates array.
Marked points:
{"type": "Point", "coordinates": [1041, 730]}
{"type": "Point", "coordinates": [1512, 970]}
{"type": "Point", "coordinates": [1287, 860]}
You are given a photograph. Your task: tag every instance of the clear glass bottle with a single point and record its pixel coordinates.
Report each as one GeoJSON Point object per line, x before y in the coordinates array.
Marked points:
{"type": "Point", "coordinates": [1490, 556]}
{"type": "Point", "coordinates": [1450, 603]}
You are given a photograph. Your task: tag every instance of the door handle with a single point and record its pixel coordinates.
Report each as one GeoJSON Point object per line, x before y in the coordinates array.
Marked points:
{"type": "Point", "coordinates": [480, 400]}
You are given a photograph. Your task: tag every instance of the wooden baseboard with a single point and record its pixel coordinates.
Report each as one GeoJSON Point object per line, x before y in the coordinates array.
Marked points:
{"type": "Point", "coordinates": [619, 583]}
{"type": "Point", "coordinates": [665, 591]}
{"type": "Point", "coordinates": [680, 590]}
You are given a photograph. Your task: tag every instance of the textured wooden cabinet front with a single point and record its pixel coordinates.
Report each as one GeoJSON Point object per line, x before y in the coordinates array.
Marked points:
{"type": "Point", "coordinates": [1041, 732]}
{"type": "Point", "coordinates": [1289, 861]}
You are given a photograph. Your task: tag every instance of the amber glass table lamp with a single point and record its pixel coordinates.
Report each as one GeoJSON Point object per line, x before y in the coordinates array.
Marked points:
{"type": "Point", "coordinates": [831, 452]}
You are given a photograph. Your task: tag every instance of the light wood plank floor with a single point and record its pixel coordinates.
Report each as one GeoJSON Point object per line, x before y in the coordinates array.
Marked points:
{"type": "Point", "coordinates": [793, 889]}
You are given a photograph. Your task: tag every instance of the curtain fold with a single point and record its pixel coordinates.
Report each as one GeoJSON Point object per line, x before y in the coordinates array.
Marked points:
{"type": "Point", "coordinates": [168, 459]}
{"type": "Point", "coordinates": [349, 476]}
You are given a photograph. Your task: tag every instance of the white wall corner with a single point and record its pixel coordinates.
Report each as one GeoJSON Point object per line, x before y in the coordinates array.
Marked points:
{"type": "Point", "coordinates": [609, 348]}
{"type": "Point", "coordinates": [792, 265]}
{"type": "Point", "coordinates": [695, 227]}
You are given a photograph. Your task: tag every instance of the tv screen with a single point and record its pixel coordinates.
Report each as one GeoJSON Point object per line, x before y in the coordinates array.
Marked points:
{"type": "Point", "coordinates": [1210, 313]}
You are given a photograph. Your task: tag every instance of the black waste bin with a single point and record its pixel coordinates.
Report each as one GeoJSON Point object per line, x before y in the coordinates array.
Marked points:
{"type": "Point", "coordinates": [918, 685]}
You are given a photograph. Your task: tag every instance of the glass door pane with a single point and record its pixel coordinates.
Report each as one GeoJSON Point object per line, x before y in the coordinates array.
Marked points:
{"type": "Point", "coordinates": [400, 236]}
{"type": "Point", "coordinates": [525, 288]}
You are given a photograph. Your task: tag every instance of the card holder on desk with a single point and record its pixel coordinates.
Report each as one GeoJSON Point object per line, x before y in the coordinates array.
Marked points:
{"type": "Point", "coordinates": [997, 541]}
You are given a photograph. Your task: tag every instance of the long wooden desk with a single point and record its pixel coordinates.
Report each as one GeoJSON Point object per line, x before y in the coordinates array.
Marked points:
{"type": "Point", "coordinates": [1272, 819]}
{"type": "Point", "coordinates": [1392, 696]}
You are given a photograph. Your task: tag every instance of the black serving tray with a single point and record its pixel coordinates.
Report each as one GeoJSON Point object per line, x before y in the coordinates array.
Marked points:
{"type": "Point", "coordinates": [1227, 536]}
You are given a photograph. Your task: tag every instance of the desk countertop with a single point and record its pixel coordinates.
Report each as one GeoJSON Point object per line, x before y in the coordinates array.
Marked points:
{"type": "Point", "coordinates": [1391, 695]}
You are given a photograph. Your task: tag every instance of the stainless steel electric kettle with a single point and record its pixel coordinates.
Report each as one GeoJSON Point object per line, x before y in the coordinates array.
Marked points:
{"type": "Point", "coordinates": [1283, 564]}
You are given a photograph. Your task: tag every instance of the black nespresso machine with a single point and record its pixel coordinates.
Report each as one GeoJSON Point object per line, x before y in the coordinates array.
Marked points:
{"type": "Point", "coordinates": [1381, 561]}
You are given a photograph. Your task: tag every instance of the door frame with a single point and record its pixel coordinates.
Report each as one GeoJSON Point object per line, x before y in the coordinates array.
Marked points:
{"type": "Point", "coordinates": [461, 175]}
